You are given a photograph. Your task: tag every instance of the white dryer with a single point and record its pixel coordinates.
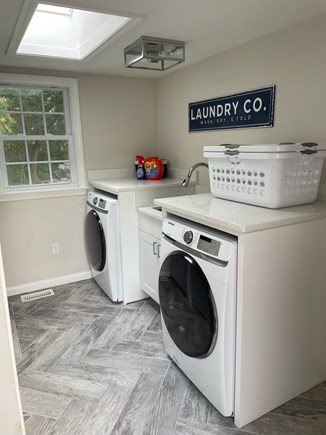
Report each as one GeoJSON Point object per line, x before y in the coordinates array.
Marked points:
{"type": "Point", "coordinates": [197, 291]}
{"type": "Point", "coordinates": [102, 242]}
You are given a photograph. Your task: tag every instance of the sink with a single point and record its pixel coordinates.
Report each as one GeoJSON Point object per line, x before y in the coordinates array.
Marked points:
{"type": "Point", "coordinates": [154, 211]}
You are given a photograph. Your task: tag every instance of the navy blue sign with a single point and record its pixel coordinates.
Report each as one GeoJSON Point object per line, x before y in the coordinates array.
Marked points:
{"type": "Point", "coordinates": [247, 109]}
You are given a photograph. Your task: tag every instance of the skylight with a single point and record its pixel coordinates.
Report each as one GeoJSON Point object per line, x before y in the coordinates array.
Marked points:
{"type": "Point", "coordinates": [56, 31]}
{"type": "Point", "coordinates": [54, 9]}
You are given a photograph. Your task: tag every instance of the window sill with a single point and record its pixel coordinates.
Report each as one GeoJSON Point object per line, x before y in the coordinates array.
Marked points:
{"type": "Point", "coordinates": [42, 194]}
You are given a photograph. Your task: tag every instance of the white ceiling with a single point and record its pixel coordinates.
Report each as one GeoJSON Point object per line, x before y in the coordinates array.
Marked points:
{"type": "Point", "coordinates": [207, 26]}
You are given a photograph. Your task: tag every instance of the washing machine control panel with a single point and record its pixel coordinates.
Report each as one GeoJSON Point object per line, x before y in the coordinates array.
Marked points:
{"type": "Point", "coordinates": [198, 237]}
{"type": "Point", "coordinates": [209, 245]}
{"type": "Point", "coordinates": [188, 236]}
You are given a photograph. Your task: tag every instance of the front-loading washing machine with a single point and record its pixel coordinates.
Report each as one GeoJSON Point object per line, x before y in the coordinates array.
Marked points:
{"type": "Point", "coordinates": [102, 242]}
{"type": "Point", "coordinates": [197, 291]}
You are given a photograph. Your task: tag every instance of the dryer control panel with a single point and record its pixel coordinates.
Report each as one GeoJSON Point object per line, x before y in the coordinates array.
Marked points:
{"type": "Point", "coordinates": [100, 202]}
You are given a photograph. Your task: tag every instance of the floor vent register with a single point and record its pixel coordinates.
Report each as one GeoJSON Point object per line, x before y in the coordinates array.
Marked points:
{"type": "Point", "coordinates": [37, 295]}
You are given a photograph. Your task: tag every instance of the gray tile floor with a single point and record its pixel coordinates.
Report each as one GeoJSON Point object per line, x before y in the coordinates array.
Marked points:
{"type": "Point", "coordinates": [88, 366]}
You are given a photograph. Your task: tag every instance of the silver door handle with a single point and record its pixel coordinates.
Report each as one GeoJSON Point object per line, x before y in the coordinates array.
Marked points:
{"type": "Point", "coordinates": [155, 250]}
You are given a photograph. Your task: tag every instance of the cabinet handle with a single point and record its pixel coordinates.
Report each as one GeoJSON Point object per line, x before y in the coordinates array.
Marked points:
{"type": "Point", "coordinates": [154, 248]}
{"type": "Point", "coordinates": [158, 250]}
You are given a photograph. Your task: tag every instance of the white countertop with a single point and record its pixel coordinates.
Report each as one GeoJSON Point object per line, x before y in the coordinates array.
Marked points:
{"type": "Point", "coordinates": [151, 211]}
{"type": "Point", "coordinates": [118, 185]}
{"type": "Point", "coordinates": [237, 218]}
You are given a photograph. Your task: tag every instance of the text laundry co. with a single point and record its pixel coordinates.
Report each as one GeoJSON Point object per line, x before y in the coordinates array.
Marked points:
{"type": "Point", "coordinates": [227, 109]}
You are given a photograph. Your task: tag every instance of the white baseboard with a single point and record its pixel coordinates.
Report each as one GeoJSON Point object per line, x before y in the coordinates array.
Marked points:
{"type": "Point", "coordinates": [51, 282]}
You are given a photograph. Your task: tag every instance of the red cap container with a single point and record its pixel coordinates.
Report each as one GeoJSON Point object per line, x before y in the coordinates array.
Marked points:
{"type": "Point", "coordinates": [153, 168]}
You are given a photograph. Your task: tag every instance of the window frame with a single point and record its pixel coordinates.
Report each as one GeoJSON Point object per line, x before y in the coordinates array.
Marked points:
{"type": "Point", "coordinates": [77, 157]}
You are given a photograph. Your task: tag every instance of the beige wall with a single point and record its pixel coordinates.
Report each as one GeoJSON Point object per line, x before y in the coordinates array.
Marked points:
{"type": "Point", "coordinates": [27, 231]}
{"type": "Point", "coordinates": [118, 122]}
{"type": "Point", "coordinates": [293, 59]}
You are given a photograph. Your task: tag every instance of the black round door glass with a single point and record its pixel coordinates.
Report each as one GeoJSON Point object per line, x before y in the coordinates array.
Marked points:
{"type": "Point", "coordinates": [187, 305]}
{"type": "Point", "coordinates": [95, 241]}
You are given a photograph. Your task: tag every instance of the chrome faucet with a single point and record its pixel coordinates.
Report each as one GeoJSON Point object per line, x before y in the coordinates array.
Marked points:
{"type": "Point", "coordinates": [191, 170]}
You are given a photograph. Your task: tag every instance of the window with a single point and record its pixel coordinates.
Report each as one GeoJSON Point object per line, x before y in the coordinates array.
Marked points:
{"type": "Point", "coordinates": [40, 139]}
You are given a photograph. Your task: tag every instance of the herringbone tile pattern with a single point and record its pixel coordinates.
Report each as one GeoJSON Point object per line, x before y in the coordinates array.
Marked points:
{"type": "Point", "coordinates": [88, 366]}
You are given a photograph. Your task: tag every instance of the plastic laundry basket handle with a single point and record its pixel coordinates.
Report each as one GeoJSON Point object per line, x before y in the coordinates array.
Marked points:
{"type": "Point", "coordinates": [308, 152]}
{"type": "Point", "coordinates": [309, 144]}
{"type": "Point", "coordinates": [231, 153]}
{"type": "Point", "coordinates": [231, 146]}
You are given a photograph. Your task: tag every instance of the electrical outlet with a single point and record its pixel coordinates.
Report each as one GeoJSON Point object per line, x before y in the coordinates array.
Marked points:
{"type": "Point", "coordinates": [55, 248]}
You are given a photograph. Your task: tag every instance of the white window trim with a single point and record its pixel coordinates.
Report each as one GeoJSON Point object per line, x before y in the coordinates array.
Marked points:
{"type": "Point", "coordinates": [74, 107]}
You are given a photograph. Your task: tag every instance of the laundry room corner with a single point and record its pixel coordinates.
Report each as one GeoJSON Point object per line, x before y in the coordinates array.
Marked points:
{"type": "Point", "coordinates": [28, 230]}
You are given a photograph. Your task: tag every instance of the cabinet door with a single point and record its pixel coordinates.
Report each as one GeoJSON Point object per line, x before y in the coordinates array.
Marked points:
{"type": "Point", "coordinates": [149, 264]}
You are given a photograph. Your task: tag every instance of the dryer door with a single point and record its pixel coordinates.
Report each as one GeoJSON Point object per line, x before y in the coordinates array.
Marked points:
{"type": "Point", "coordinates": [95, 241]}
{"type": "Point", "coordinates": [187, 305]}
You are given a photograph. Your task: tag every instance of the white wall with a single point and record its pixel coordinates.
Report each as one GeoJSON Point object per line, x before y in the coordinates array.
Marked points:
{"type": "Point", "coordinates": [293, 59]}
{"type": "Point", "coordinates": [118, 122]}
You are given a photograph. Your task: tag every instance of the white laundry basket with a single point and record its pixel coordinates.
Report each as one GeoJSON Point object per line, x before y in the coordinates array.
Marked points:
{"type": "Point", "coordinates": [273, 176]}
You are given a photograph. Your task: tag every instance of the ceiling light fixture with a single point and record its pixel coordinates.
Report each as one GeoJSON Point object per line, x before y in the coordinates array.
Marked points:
{"type": "Point", "coordinates": [154, 53]}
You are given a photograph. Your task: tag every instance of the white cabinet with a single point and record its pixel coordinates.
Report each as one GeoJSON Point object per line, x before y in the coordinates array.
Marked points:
{"type": "Point", "coordinates": [149, 253]}
{"type": "Point", "coordinates": [149, 249]}
{"type": "Point", "coordinates": [281, 298]}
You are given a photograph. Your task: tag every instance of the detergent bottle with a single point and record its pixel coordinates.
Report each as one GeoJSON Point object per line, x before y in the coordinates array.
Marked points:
{"type": "Point", "coordinates": [139, 166]}
{"type": "Point", "coordinates": [153, 168]}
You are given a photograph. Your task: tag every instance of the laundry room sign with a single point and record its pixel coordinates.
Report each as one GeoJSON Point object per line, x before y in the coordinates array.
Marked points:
{"type": "Point", "coordinates": [247, 109]}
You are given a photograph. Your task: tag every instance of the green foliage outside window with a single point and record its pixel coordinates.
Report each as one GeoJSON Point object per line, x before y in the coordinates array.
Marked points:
{"type": "Point", "coordinates": [38, 113]}
{"type": "Point", "coordinates": [7, 122]}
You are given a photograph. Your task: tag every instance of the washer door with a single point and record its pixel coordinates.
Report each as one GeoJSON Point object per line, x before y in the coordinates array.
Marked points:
{"type": "Point", "coordinates": [95, 241]}
{"type": "Point", "coordinates": [187, 305]}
